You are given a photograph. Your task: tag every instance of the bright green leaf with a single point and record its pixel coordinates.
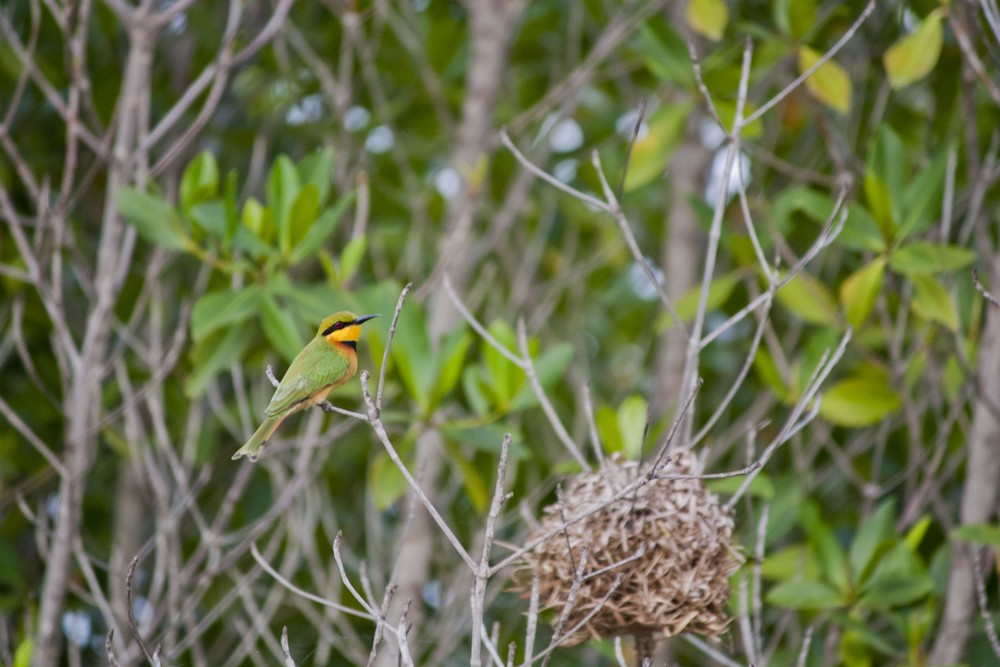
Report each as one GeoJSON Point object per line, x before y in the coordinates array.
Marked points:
{"type": "Point", "coordinates": [805, 595]}
{"type": "Point", "coordinates": [708, 18]}
{"type": "Point", "coordinates": [860, 289]}
{"type": "Point", "coordinates": [282, 190]}
{"type": "Point", "coordinates": [932, 302]}
{"type": "Point", "coordinates": [214, 354]}
{"type": "Point", "coordinates": [876, 530]}
{"type": "Point", "coordinates": [302, 215]}
{"type": "Point", "coordinates": [860, 400]}
{"type": "Point", "coordinates": [549, 367]}
{"type": "Point", "coordinates": [665, 52]}
{"type": "Point", "coordinates": [915, 535]}
{"type": "Point", "coordinates": [386, 483]}
{"type": "Point", "coordinates": [898, 579]}
{"type": "Point", "coordinates": [792, 562]}
{"type": "Point", "coordinates": [809, 299]}
{"type": "Point", "coordinates": [822, 539]}
{"type": "Point", "coordinates": [280, 329]}
{"type": "Point", "coordinates": [452, 354]}
{"type": "Point", "coordinates": [922, 196]}
{"type": "Point", "coordinates": [321, 229]}
{"type": "Point", "coordinates": [913, 57]}
{"type": "Point", "coordinates": [652, 152]}
{"type": "Point", "coordinates": [317, 169]}
{"type": "Point", "coordinates": [350, 258]}
{"type": "Point", "coordinates": [761, 487]}
{"type": "Point", "coordinates": [632, 416]}
{"type": "Point", "coordinates": [200, 181]}
{"type": "Point", "coordinates": [154, 219]}
{"type": "Point", "coordinates": [608, 429]}
{"type": "Point", "coordinates": [719, 291]}
{"type": "Point", "coordinates": [210, 216]}
{"type": "Point", "coordinates": [922, 257]}
{"type": "Point", "coordinates": [218, 309]}
{"type": "Point", "coordinates": [829, 83]}
{"type": "Point", "coordinates": [987, 534]}
{"type": "Point", "coordinates": [22, 656]}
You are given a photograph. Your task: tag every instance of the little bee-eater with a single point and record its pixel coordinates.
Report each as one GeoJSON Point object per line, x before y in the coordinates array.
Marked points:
{"type": "Point", "coordinates": [328, 361]}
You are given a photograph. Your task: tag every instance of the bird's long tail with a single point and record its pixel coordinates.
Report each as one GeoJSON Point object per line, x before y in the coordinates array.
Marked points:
{"type": "Point", "coordinates": [252, 449]}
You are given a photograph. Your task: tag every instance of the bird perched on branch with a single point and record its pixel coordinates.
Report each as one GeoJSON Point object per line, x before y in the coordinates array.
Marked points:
{"type": "Point", "coordinates": [328, 361]}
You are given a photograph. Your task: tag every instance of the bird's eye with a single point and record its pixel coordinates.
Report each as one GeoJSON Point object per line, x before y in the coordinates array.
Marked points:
{"type": "Point", "coordinates": [337, 326]}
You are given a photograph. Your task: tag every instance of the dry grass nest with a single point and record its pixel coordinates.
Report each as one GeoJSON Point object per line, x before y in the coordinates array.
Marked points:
{"type": "Point", "coordinates": [656, 562]}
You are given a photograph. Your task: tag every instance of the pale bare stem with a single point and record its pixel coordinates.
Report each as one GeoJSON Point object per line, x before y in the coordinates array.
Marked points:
{"type": "Point", "coordinates": [969, 51]}
{"type": "Point", "coordinates": [948, 197]}
{"type": "Point", "coordinates": [640, 115]}
{"type": "Point", "coordinates": [639, 553]}
{"type": "Point", "coordinates": [289, 662]}
{"type": "Point", "coordinates": [511, 654]}
{"type": "Point", "coordinates": [550, 412]}
{"type": "Point", "coordinates": [550, 179]}
{"type": "Point", "coordinates": [614, 208]}
{"type": "Point", "coordinates": [619, 653]}
{"type": "Point", "coordinates": [615, 585]}
{"type": "Point", "coordinates": [787, 90]}
{"type": "Point", "coordinates": [758, 607]}
{"type": "Point", "coordinates": [529, 633]}
{"type": "Point", "coordinates": [383, 437]}
{"type": "Point", "coordinates": [711, 651]}
{"type": "Point", "coordinates": [476, 325]}
{"type": "Point", "coordinates": [744, 370]}
{"type": "Point", "coordinates": [380, 625]}
{"type": "Point", "coordinates": [347, 582]}
{"type": "Point", "coordinates": [743, 614]}
{"type": "Point", "coordinates": [574, 592]}
{"type": "Point", "coordinates": [798, 417]}
{"type": "Point", "coordinates": [982, 290]}
{"type": "Point", "coordinates": [21, 427]}
{"type": "Point", "coordinates": [483, 572]}
{"type": "Point", "coordinates": [109, 649]}
{"type": "Point", "coordinates": [491, 645]}
{"type": "Point", "coordinates": [388, 346]}
{"type": "Point", "coordinates": [702, 88]}
{"type": "Point", "coordinates": [595, 439]}
{"type": "Point", "coordinates": [401, 632]}
{"type": "Point", "coordinates": [131, 610]}
{"type": "Point", "coordinates": [667, 443]}
{"type": "Point", "coordinates": [806, 642]}
{"type": "Point", "coordinates": [981, 598]}
{"type": "Point", "coordinates": [306, 594]}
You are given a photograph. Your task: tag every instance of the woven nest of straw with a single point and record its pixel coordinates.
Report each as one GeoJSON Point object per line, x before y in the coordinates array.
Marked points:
{"type": "Point", "coordinates": [654, 563]}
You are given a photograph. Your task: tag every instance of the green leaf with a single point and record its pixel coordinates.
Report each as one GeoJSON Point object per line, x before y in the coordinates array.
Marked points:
{"type": "Point", "coordinates": [914, 56]}
{"type": "Point", "coordinates": [280, 329]}
{"type": "Point", "coordinates": [761, 487]}
{"type": "Point", "coordinates": [210, 216]}
{"type": "Point", "coordinates": [200, 181]}
{"type": "Point", "coordinates": [504, 377]}
{"type": "Point", "coordinates": [317, 169]}
{"type": "Point", "coordinates": [632, 416]}
{"type": "Point", "coordinates": [321, 229]}
{"type": "Point", "coordinates": [805, 595]}
{"type": "Point", "coordinates": [651, 153]}
{"type": "Point", "coordinates": [932, 302]}
{"type": "Point", "coordinates": [921, 197]}
{"type": "Point", "coordinates": [665, 53]}
{"type": "Point", "coordinates": [830, 553]}
{"type": "Point", "coordinates": [915, 535]}
{"type": "Point", "coordinates": [302, 215]}
{"type": "Point", "coordinates": [549, 367]}
{"type": "Point", "coordinates": [608, 429]}
{"type": "Point", "coordinates": [154, 219]}
{"type": "Point", "coordinates": [350, 258]}
{"type": "Point", "coordinates": [452, 354]}
{"type": "Point", "coordinates": [814, 205]}
{"type": "Point", "coordinates": [809, 299]}
{"type": "Point", "coordinates": [719, 291]}
{"type": "Point", "coordinates": [793, 562]}
{"type": "Point", "coordinates": [874, 533]}
{"type": "Point", "coordinates": [796, 17]}
{"type": "Point", "coordinates": [987, 534]}
{"type": "Point", "coordinates": [218, 309]}
{"type": "Point", "coordinates": [860, 400]}
{"type": "Point", "coordinates": [473, 391]}
{"type": "Point", "coordinates": [860, 289]}
{"type": "Point", "coordinates": [476, 486]}
{"type": "Point", "coordinates": [386, 483]}
{"type": "Point", "coordinates": [829, 83]}
{"type": "Point", "coordinates": [22, 656]}
{"type": "Point", "coordinates": [215, 354]}
{"type": "Point", "coordinates": [884, 179]}
{"type": "Point", "coordinates": [922, 257]}
{"type": "Point", "coordinates": [253, 218]}
{"type": "Point", "coordinates": [898, 579]}
{"type": "Point", "coordinates": [708, 18]}
{"type": "Point", "coordinates": [861, 231]}
{"type": "Point", "coordinates": [282, 190]}
{"type": "Point", "coordinates": [411, 354]}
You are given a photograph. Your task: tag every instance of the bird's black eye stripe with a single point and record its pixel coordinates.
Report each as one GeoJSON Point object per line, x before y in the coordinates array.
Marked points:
{"type": "Point", "coordinates": [336, 326]}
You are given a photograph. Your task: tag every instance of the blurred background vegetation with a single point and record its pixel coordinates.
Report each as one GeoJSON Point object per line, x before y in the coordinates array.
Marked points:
{"type": "Point", "coordinates": [188, 188]}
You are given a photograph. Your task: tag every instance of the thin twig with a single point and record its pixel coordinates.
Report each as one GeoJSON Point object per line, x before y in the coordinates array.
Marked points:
{"type": "Point", "coordinates": [982, 290]}
{"type": "Point", "coordinates": [129, 577]}
{"type": "Point", "coordinates": [476, 325]}
{"type": "Point", "coordinates": [289, 662]}
{"type": "Point", "coordinates": [388, 345]}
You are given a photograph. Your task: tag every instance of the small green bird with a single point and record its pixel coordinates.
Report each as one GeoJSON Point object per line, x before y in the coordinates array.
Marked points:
{"type": "Point", "coordinates": [328, 361]}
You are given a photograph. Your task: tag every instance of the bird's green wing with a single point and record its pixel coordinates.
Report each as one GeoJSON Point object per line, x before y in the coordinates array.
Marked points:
{"type": "Point", "coordinates": [316, 367]}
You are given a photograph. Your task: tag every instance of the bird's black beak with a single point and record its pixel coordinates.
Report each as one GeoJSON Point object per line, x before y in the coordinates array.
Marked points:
{"type": "Point", "coordinates": [363, 318]}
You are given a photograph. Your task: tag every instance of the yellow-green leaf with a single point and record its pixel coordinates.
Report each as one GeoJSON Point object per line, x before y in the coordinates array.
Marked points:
{"type": "Point", "coordinates": [913, 57]}
{"type": "Point", "coordinates": [651, 153]}
{"type": "Point", "coordinates": [708, 18]}
{"type": "Point", "coordinates": [932, 301]}
{"type": "Point", "coordinates": [860, 400]}
{"type": "Point", "coordinates": [829, 83]}
{"type": "Point", "coordinates": [808, 298]}
{"type": "Point", "coordinates": [859, 290]}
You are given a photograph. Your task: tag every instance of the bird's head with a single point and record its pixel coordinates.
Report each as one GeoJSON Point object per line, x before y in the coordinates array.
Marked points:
{"type": "Point", "coordinates": [343, 327]}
